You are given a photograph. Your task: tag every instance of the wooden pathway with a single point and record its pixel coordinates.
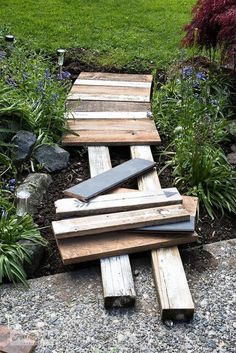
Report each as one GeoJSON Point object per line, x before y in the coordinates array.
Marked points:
{"type": "Point", "coordinates": [111, 109]}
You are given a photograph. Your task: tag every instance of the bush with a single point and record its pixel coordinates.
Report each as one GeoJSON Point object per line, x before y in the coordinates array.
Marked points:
{"type": "Point", "coordinates": [191, 109]}
{"type": "Point", "coordinates": [13, 252]}
{"type": "Point", "coordinates": [213, 25]}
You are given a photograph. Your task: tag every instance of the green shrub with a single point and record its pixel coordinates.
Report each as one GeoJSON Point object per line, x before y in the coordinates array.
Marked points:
{"type": "Point", "coordinates": [13, 252]}
{"type": "Point", "coordinates": [191, 108]}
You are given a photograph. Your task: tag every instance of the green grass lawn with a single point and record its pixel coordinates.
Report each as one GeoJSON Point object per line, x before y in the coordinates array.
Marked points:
{"type": "Point", "coordinates": [117, 32]}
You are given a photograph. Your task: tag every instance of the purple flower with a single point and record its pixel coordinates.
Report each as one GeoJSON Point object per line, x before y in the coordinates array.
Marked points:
{"type": "Point", "coordinates": [187, 71]}
{"type": "Point", "coordinates": [54, 97]}
{"type": "Point", "coordinates": [12, 181]}
{"type": "Point", "coordinates": [25, 76]}
{"type": "Point", "coordinates": [64, 75]}
{"type": "Point", "coordinates": [201, 76]}
{"type": "Point", "coordinates": [11, 82]}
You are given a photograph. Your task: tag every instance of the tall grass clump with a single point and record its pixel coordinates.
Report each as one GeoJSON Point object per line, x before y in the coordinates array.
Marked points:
{"type": "Point", "coordinates": [191, 108]}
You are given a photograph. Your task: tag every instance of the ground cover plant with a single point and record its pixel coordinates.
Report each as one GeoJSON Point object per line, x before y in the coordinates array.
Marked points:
{"type": "Point", "coordinates": [191, 108]}
{"type": "Point", "coordinates": [117, 33]}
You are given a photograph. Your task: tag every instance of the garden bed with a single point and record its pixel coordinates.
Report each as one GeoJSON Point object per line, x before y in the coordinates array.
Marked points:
{"type": "Point", "coordinates": [209, 230]}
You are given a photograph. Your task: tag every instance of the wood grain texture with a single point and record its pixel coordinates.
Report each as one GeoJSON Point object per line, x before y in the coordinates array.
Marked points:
{"type": "Point", "coordinates": [110, 203]}
{"type": "Point", "coordinates": [109, 179]}
{"type": "Point", "coordinates": [133, 96]}
{"type": "Point", "coordinates": [112, 138]}
{"type": "Point", "coordinates": [122, 294]}
{"type": "Point", "coordinates": [82, 249]}
{"type": "Point", "coordinates": [107, 76]}
{"type": "Point", "coordinates": [107, 106]}
{"type": "Point", "coordinates": [112, 83]}
{"type": "Point", "coordinates": [117, 280]}
{"type": "Point", "coordinates": [191, 205]}
{"type": "Point", "coordinates": [75, 227]}
{"type": "Point", "coordinates": [107, 115]}
{"type": "Point", "coordinates": [173, 306]}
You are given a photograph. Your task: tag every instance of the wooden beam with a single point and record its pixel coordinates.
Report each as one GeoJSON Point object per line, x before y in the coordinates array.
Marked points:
{"type": "Point", "coordinates": [169, 281]}
{"type": "Point", "coordinates": [108, 76]}
{"type": "Point", "coordinates": [106, 115]}
{"type": "Point", "coordinates": [70, 207]}
{"type": "Point", "coordinates": [124, 292]}
{"type": "Point", "coordinates": [107, 106]}
{"type": "Point", "coordinates": [109, 179]}
{"type": "Point", "coordinates": [104, 223]}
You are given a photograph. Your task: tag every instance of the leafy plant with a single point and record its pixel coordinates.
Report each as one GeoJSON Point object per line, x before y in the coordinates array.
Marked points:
{"type": "Point", "coordinates": [13, 252]}
{"type": "Point", "coordinates": [191, 108]}
{"type": "Point", "coordinates": [213, 25]}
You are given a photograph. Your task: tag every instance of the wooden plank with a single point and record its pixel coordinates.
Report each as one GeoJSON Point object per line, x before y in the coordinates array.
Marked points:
{"type": "Point", "coordinates": [12, 341]}
{"type": "Point", "coordinates": [107, 115]}
{"type": "Point", "coordinates": [172, 306]}
{"type": "Point", "coordinates": [96, 125]}
{"type": "Point", "coordinates": [75, 227]}
{"type": "Point", "coordinates": [123, 292]}
{"type": "Point", "coordinates": [112, 83]}
{"type": "Point", "coordinates": [70, 207]}
{"type": "Point", "coordinates": [190, 204]}
{"type": "Point", "coordinates": [109, 179]}
{"type": "Point", "coordinates": [107, 106]}
{"type": "Point", "coordinates": [112, 138]}
{"type": "Point", "coordinates": [108, 76]}
{"type": "Point", "coordinates": [117, 278]}
{"type": "Point", "coordinates": [108, 97]}
{"type": "Point", "coordinates": [176, 300]}
{"type": "Point", "coordinates": [82, 249]}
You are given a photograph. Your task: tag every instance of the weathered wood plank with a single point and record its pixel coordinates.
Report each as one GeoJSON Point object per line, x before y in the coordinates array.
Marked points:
{"type": "Point", "coordinates": [88, 225]}
{"type": "Point", "coordinates": [95, 125]}
{"type": "Point", "coordinates": [180, 306]}
{"type": "Point", "coordinates": [115, 77]}
{"type": "Point", "coordinates": [112, 83]}
{"type": "Point", "coordinates": [82, 249]}
{"type": "Point", "coordinates": [107, 115]}
{"type": "Point", "coordinates": [107, 106]}
{"type": "Point", "coordinates": [190, 204]}
{"type": "Point", "coordinates": [108, 97]}
{"type": "Point", "coordinates": [109, 179]}
{"type": "Point", "coordinates": [70, 207]}
{"type": "Point", "coordinates": [112, 138]}
{"type": "Point", "coordinates": [117, 278]}
{"type": "Point", "coordinates": [124, 293]}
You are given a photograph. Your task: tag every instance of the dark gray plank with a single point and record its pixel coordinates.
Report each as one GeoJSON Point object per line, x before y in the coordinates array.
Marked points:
{"type": "Point", "coordinates": [110, 179]}
{"type": "Point", "coordinates": [178, 227]}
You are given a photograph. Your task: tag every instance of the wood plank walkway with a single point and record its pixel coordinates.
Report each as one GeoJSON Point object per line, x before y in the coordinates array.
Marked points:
{"type": "Point", "coordinates": [111, 109]}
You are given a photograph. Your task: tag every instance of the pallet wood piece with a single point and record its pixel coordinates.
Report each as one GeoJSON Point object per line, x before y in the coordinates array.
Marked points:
{"type": "Point", "coordinates": [123, 293]}
{"type": "Point", "coordinates": [190, 204]}
{"type": "Point", "coordinates": [12, 341]}
{"type": "Point", "coordinates": [110, 203]}
{"type": "Point", "coordinates": [117, 278]}
{"type": "Point", "coordinates": [82, 249]}
{"type": "Point", "coordinates": [112, 83]}
{"type": "Point", "coordinates": [107, 76]}
{"type": "Point", "coordinates": [88, 225]}
{"type": "Point", "coordinates": [169, 281]}
{"type": "Point", "coordinates": [107, 106]}
{"type": "Point", "coordinates": [106, 115]}
{"type": "Point", "coordinates": [109, 179]}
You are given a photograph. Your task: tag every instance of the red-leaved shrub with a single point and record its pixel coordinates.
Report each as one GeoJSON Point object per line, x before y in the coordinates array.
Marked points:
{"type": "Point", "coordinates": [213, 25]}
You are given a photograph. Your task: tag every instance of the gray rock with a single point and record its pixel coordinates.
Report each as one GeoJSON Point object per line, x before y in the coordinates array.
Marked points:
{"type": "Point", "coordinates": [232, 158]}
{"type": "Point", "coordinates": [233, 148]}
{"type": "Point", "coordinates": [31, 192]}
{"type": "Point", "coordinates": [232, 130]}
{"type": "Point", "coordinates": [52, 158]}
{"type": "Point", "coordinates": [24, 142]}
{"type": "Point", "coordinates": [36, 252]}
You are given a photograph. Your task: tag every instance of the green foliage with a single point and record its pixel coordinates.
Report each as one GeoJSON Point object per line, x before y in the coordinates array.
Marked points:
{"type": "Point", "coordinates": [191, 109]}
{"type": "Point", "coordinates": [13, 252]}
{"type": "Point", "coordinates": [32, 97]}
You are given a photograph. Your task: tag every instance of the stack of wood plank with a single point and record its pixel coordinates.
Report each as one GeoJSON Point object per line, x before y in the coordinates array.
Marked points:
{"type": "Point", "coordinates": [102, 220]}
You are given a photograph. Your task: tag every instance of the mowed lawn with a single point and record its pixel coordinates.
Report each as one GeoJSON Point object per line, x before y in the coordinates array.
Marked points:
{"type": "Point", "coordinates": [117, 32]}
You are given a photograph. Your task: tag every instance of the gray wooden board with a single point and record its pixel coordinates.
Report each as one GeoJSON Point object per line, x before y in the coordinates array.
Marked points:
{"type": "Point", "coordinates": [89, 225]}
{"type": "Point", "coordinates": [107, 106]}
{"type": "Point", "coordinates": [69, 207]}
{"type": "Point", "coordinates": [179, 227]}
{"type": "Point", "coordinates": [110, 179]}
